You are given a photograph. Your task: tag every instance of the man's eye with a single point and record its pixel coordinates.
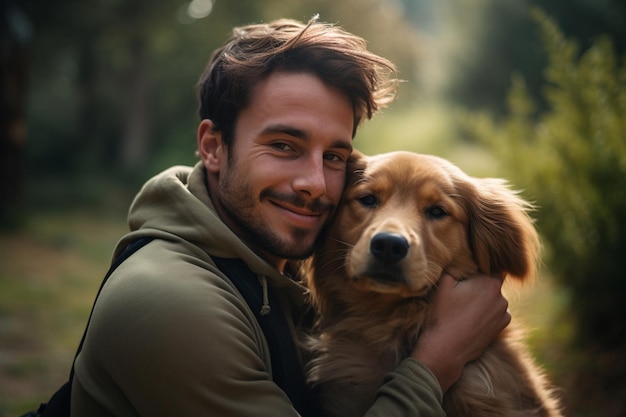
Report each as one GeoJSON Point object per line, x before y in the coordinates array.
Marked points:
{"type": "Point", "coordinates": [436, 212]}
{"type": "Point", "coordinates": [281, 146]}
{"type": "Point", "coordinates": [368, 200]}
{"type": "Point", "coordinates": [333, 157]}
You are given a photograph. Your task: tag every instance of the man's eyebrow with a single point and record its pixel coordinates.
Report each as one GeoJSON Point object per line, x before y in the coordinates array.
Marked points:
{"type": "Point", "coordinates": [286, 130]}
{"type": "Point", "coordinates": [301, 134]}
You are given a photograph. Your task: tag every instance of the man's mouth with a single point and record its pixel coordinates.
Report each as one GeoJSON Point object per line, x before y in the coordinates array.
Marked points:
{"type": "Point", "coordinates": [297, 211]}
{"type": "Point", "coordinates": [302, 211]}
{"type": "Point", "coordinates": [300, 216]}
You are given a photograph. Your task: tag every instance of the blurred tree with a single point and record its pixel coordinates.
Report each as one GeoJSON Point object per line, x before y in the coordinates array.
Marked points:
{"type": "Point", "coordinates": [91, 103]}
{"type": "Point", "coordinates": [502, 41]}
{"type": "Point", "coordinates": [113, 81]}
{"type": "Point", "coordinates": [571, 158]}
{"type": "Point", "coordinates": [15, 32]}
{"type": "Point", "coordinates": [481, 43]}
{"type": "Point", "coordinates": [584, 20]}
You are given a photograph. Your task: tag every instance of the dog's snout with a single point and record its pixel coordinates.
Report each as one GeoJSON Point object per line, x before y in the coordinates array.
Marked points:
{"type": "Point", "coordinates": [389, 247]}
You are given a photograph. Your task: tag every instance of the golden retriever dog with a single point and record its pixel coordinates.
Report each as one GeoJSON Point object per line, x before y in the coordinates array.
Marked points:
{"type": "Point", "coordinates": [404, 220]}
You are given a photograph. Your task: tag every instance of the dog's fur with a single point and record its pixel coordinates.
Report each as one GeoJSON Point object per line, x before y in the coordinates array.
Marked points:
{"type": "Point", "coordinates": [405, 218]}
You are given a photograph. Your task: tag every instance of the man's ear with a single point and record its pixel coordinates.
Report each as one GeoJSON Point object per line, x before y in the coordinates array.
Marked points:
{"type": "Point", "coordinates": [210, 146]}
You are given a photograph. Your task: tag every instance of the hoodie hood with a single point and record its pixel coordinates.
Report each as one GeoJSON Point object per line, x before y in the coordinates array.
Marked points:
{"type": "Point", "coordinates": [175, 205]}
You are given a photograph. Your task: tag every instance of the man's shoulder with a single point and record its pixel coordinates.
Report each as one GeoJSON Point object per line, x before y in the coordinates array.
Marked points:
{"type": "Point", "coordinates": [165, 275]}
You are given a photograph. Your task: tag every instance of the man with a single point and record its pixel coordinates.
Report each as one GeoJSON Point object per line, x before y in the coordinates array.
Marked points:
{"type": "Point", "coordinates": [173, 332]}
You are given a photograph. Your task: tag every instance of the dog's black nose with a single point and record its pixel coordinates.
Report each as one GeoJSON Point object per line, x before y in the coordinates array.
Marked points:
{"type": "Point", "coordinates": [389, 247]}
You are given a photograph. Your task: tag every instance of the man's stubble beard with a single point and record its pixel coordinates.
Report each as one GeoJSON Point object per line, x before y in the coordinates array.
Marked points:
{"type": "Point", "coordinates": [238, 201]}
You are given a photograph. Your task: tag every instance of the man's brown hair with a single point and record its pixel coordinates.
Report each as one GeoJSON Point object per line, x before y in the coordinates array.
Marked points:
{"type": "Point", "coordinates": [336, 56]}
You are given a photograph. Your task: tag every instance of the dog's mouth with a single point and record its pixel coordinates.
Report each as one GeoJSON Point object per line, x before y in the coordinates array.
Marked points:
{"type": "Point", "coordinates": [388, 262]}
{"type": "Point", "coordinates": [390, 282]}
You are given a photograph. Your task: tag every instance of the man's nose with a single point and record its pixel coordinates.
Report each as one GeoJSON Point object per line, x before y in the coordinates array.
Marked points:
{"type": "Point", "coordinates": [311, 179]}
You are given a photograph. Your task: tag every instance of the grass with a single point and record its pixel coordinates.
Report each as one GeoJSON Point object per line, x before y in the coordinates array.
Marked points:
{"type": "Point", "coordinates": [49, 274]}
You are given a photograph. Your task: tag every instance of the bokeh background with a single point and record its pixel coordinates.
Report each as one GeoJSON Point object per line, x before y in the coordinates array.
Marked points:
{"type": "Point", "coordinates": [98, 95]}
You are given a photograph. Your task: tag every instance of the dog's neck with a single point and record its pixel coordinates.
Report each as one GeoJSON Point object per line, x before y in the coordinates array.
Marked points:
{"type": "Point", "coordinates": [362, 321]}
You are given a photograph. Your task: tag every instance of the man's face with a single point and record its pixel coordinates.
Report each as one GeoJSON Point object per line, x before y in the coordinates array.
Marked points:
{"type": "Point", "coordinates": [287, 164]}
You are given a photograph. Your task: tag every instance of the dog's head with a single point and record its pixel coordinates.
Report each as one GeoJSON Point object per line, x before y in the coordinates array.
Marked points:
{"type": "Point", "coordinates": [405, 218]}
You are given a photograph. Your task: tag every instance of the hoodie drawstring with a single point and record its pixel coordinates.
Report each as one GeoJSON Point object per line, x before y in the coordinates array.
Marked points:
{"type": "Point", "coordinates": [265, 308]}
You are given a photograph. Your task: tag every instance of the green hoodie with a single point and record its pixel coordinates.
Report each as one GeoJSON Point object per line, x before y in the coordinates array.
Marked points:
{"type": "Point", "coordinates": [170, 334]}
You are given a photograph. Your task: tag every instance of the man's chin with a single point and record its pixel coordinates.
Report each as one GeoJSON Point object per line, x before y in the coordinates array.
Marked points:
{"type": "Point", "coordinates": [295, 251]}
{"type": "Point", "coordinates": [299, 245]}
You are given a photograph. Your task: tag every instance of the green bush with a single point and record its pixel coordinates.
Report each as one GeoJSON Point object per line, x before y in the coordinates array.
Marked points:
{"type": "Point", "coordinates": [571, 160]}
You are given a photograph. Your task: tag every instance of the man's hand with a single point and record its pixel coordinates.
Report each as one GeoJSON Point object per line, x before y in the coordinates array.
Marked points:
{"type": "Point", "coordinates": [466, 316]}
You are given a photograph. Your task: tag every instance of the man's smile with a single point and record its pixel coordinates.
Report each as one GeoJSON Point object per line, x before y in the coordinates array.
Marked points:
{"type": "Point", "coordinates": [302, 216]}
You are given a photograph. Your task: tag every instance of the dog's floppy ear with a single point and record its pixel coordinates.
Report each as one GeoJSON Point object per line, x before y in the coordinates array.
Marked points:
{"type": "Point", "coordinates": [502, 235]}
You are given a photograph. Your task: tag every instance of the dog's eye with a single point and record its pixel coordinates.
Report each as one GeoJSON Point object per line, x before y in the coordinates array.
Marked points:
{"type": "Point", "coordinates": [436, 212]}
{"type": "Point", "coordinates": [368, 200]}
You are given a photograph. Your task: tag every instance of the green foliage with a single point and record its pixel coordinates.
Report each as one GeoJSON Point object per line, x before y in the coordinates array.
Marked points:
{"type": "Point", "coordinates": [571, 158]}
{"type": "Point", "coordinates": [481, 42]}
